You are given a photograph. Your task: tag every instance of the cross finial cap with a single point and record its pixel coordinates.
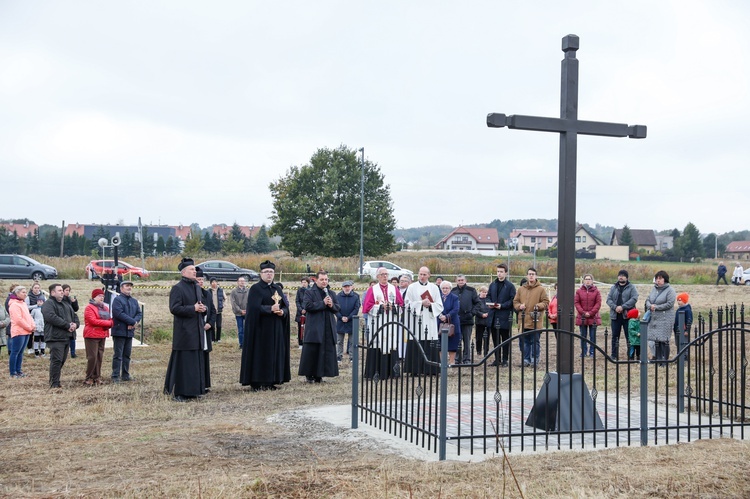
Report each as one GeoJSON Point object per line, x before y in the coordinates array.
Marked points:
{"type": "Point", "coordinates": [570, 42]}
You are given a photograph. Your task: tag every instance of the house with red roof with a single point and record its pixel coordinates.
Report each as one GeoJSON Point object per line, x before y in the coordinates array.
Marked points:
{"type": "Point", "coordinates": [470, 239]}
{"type": "Point", "coordinates": [738, 250]}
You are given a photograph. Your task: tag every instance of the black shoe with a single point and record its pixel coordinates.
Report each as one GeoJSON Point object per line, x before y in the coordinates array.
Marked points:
{"type": "Point", "coordinates": [73, 356]}
{"type": "Point", "coordinates": [309, 379]}
{"type": "Point", "coordinates": [504, 363]}
{"type": "Point", "coordinates": [128, 379]}
{"type": "Point", "coordinates": [180, 398]}
{"type": "Point", "coordinates": [115, 380]}
{"type": "Point", "coordinates": [495, 364]}
{"type": "Point", "coordinates": [318, 380]}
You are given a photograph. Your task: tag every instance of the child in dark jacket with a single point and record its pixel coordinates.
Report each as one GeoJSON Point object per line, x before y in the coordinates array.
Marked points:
{"type": "Point", "coordinates": [683, 306]}
{"type": "Point", "coordinates": [481, 321]}
{"type": "Point", "coordinates": [634, 335]}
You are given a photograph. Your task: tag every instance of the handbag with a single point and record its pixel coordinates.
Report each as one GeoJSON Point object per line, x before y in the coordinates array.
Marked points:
{"type": "Point", "coordinates": [447, 327]}
{"type": "Point", "coordinates": [647, 316]}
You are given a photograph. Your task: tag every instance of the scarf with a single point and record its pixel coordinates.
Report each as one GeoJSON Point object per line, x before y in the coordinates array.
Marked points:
{"type": "Point", "coordinates": [102, 310]}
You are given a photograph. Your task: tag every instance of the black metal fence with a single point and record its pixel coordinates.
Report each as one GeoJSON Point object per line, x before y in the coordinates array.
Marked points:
{"type": "Point", "coordinates": [403, 385]}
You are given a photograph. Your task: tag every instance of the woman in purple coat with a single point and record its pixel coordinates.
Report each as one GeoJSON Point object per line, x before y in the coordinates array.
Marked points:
{"type": "Point", "coordinates": [450, 313]}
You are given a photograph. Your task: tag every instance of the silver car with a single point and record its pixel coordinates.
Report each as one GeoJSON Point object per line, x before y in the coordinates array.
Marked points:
{"type": "Point", "coordinates": [370, 268]}
{"type": "Point", "coordinates": [24, 267]}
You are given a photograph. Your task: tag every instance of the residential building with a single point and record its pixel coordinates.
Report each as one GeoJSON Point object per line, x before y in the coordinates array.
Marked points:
{"type": "Point", "coordinates": [470, 239]}
{"type": "Point", "coordinates": [644, 239]}
{"type": "Point", "coordinates": [534, 238]}
{"type": "Point", "coordinates": [738, 250]}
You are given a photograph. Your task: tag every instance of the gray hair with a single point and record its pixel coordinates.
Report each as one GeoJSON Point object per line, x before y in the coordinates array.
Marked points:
{"type": "Point", "coordinates": [446, 283]}
{"type": "Point", "coordinates": [19, 288]}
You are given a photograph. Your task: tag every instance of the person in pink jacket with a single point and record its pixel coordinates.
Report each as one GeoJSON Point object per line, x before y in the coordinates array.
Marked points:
{"type": "Point", "coordinates": [588, 301]}
{"type": "Point", "coordinates": [97, 323]}
{"type": "Point", "coordinates": [21, 326]}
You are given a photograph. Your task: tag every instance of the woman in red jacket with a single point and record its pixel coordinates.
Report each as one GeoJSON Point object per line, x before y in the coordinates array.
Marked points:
{"type": "Point", "coordinates": [588, 301]}
{"type": "Point", "coordinates": [97, 321]}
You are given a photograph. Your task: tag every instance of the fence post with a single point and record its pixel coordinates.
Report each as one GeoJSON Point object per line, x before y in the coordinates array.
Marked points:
{"type": "Point", "coordinates": [143, 310]}
{"type": "Point", "coordinates": [680, 362]}
{"type": "Point", "coordinates": [355, 370]}
{"type": "Point", "coordinates": [443, 394]}
{"type": "Point", "coordinates": [644, 383]}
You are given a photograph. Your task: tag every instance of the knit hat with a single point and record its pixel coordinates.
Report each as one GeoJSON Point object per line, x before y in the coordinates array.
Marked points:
{"type": "Point", "coordinates": [623, 272]}
{"type": "Point", "coordinates": [683, 297]}
{"type": "Point", "coordinates": [96, 292]}
{"type": "Point", "coordinates": [633, 313]}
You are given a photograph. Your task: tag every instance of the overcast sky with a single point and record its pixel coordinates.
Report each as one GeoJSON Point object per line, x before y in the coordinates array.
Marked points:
{"type": "Point", "coordinates": [184, 112]}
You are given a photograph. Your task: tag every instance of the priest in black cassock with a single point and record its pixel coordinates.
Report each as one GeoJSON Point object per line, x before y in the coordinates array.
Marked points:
{"type": "Point", "coordinates": [209, 320]}
{"type": "Point", "coordinates": [265, 350]}
{"type": "Point", "coordinates": [319, 357]}
{"type": "Point", "coordinates": [186, 377]}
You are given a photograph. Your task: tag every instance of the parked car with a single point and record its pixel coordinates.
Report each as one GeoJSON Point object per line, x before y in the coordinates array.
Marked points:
{"type": "Point", "coordinates": [24, 267]}
{"type": "Point", "coordinates": [226, 271]}
{"type": "Point", "coordinates": [96, 268]}
{"type": "Point", "coordinates": [746, 277]}
{"type": "Point", "coordinates": [371, 267]}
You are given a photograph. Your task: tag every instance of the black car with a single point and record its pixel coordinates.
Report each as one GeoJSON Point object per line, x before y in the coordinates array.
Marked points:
{"type": "Point", "coordinates": [24, 267]}
{"type": "Point", "coordinates": [226, 271]}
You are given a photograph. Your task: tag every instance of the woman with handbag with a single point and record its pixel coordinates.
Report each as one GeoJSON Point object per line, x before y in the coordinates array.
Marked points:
{"type": "Point", "coordinates": [588, 301]}
{"type": "Point", "coordinates": [449, 319]}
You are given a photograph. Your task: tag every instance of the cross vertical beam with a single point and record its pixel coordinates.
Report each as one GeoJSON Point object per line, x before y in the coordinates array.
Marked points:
{"type": "Point", "coordinates": [566, 207]}
{"type": "Point", "coordinates": [569, 127]}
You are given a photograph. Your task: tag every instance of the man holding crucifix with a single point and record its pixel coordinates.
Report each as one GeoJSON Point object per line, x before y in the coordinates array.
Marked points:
{"type": "Point", "coordinates": [265, 350]}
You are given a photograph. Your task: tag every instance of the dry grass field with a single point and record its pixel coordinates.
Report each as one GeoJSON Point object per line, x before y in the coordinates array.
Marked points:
{"type": "Point", "coordinates": [130, 440]}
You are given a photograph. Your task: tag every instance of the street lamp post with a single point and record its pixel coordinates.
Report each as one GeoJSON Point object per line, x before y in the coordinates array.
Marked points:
{"type": "Point", "coordinates": [362, 215]}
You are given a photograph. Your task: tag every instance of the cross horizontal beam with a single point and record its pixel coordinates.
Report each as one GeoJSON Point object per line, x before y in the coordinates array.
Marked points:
{"type": "Point", "coordinates": [561, 125]}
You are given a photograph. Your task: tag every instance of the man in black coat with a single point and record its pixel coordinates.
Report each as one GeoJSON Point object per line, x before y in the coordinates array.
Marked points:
{"type": "Point", "coordinates": [318, 358]}
{"type": "Point", "coordinates": [501, 295]}
{"type": "Point", "coordinates": [265, 349]}
{"type": "Point", "coordinates": [60, 324]}
{"type": "Point", "coordinates": [186, 377]}
{"type": "Point", "coordinates": [209, 322]}
{"type": "Point", "coordinates": [468, 303]}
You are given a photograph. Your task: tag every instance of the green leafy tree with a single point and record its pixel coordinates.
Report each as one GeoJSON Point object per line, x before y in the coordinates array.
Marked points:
{"type": "Point", "coordinates": [262, 243]}
{"type": "Point", "coordinates": [231, 245]}
{"type": "Point", "coordinates": [709, 245]}
{"type": "Point", "coordinates": [207, 246]}
{"type": "Point", "coordinates": [194, 244]}
{"type": "Point", "coordinates": [161, 246]}
{"type": "Point", "coordinates": [690, 245]}
{"type": "Point", "coordinates": [170, 247]}
{"type": "Point", "coordinates": [50, 244]}
{"type": "Point", "coordinates": [128, 243]}
{"type": "Point", "coordinates": [626, 239]}
{"type": "Point", "coordinates": [316, 207]}
{"type": "Point", "coordinates": [215, 243]}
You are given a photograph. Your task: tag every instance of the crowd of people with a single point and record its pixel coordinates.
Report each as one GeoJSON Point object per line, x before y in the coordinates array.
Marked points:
{"type": "Point", "coordinates": [45, 323]}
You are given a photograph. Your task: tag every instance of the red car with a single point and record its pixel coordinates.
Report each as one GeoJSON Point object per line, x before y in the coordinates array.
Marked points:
{"type": "Point", "coordinates": [98, 267]}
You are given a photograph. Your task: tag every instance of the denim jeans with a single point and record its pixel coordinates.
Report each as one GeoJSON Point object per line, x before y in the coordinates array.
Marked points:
{"type": "Point", "coordinates": [16, 347]}
{"type": "Point", "coordinates": [122, 347]}
{"type": "Point", "coordinates": [590, 333]}
{"type": "Point", "coordinates": [531, 347]}
{"type": "Point", "coordinates": [240, 328]}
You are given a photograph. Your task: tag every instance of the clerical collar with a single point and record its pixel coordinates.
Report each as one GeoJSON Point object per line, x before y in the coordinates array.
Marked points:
{"type": "Point", "coordinates": [423, 283]}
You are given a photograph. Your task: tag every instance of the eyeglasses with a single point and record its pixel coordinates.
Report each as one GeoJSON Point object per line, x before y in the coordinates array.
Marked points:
{"type": "Point", "coordinates": [266, 271]}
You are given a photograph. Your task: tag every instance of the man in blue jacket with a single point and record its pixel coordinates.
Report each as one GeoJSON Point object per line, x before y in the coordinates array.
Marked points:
{"type": "Point", "coordinates": [349, 303]}
{"type": "Point", "coordinates": [126, 313]}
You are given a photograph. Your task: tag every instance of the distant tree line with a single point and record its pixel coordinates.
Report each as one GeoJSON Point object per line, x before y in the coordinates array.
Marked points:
{"type": "Point", "coordinates": [48, 243]}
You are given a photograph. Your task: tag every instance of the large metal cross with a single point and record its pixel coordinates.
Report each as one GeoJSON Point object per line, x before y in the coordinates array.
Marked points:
{"type": "Point", "coordinates": [569, 127]}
